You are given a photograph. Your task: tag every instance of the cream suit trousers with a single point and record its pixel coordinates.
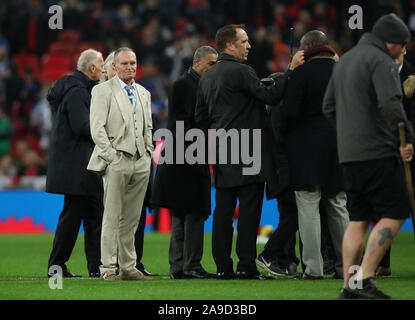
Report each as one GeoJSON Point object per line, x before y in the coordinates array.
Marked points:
{"type": "Point", "coordinates": [125, 185]}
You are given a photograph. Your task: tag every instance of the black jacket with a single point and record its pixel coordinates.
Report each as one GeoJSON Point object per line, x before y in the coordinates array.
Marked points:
{"type": "Point", "coordinates": [310, 138]}
{"type": "Point", "coordinates": [231, 96]}
{"type": "Point", "coordinates": [184, 188]}
{"type": "Point", "coordinates": [71, 144]}
{"type": "Point", "coordinates": [364, 101]}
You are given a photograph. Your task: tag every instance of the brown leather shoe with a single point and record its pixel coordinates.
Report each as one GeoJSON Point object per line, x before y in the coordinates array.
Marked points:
{"type": "Point", "coordinates": [137, 275]}
{"type": "Point", "coordinates": [383, 272]}
{"type": "Point", "coordinates": [109, 276]}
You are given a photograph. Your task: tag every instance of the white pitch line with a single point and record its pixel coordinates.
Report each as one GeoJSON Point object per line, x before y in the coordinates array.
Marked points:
{"type": "Point", "coordinates": [65, 279]}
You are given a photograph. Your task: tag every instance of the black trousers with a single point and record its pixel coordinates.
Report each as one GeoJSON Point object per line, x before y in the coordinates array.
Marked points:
{"type": "Point", "coordinates": [282, 242]}
{"type": "Point", "coordinates": [250, 207]}
{"type": "Point", "coordinates": [186, 242]}
{"type": "Point", "coordinates": [76, 209]}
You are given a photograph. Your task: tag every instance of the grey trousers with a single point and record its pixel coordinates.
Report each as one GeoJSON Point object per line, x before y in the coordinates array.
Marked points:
{"type": "Point", "coordinates": [186, 242]}
{"type": "Point", "coordinates": [308, 203]}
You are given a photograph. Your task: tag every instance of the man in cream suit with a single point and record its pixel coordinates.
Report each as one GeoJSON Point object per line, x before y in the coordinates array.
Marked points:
{"type": "Point", "coordinates": [121, 128]}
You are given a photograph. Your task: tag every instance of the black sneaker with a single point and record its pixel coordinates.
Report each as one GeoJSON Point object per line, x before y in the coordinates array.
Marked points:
{"type": "Point", "coordinates": [346, 293]}
{"type": "Point", "coordinates": [271, 266]}
{"type": "Point", "coordinates": [369, 291]}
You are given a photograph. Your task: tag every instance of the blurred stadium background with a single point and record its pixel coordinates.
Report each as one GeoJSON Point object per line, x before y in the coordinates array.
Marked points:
{"type": "Point", "coordinates": [164, 34]}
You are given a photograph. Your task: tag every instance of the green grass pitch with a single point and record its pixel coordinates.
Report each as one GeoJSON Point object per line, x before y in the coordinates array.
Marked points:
{"type": "Point", "coordinates": [23, 268]}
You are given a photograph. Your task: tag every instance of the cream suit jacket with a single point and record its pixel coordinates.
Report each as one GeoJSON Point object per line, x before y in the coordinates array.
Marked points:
{"type": "Point", "coordinates": [112, 124]}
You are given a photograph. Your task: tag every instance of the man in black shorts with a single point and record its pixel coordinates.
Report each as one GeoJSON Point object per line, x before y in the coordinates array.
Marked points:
{"type": "Point", "coordinates": [363, 98]}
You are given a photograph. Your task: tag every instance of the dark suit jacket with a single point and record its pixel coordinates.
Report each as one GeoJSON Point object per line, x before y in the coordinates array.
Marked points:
{"type": "Point", "coordinates": [71, 144]}
{"type": "Point", "coordinates": [231, 96]}
{"type": "Point", "coordinates": [310, 139]}
{"type": "Point", "coordinates": [184, 188]}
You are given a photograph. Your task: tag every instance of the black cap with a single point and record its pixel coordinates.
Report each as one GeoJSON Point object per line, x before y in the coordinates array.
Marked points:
{"type": "Point", "coordinates": [390, 28]}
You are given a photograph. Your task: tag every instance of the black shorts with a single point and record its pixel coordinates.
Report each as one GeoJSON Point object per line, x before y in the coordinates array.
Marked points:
{"type": "Point", "coordinates": [376, 189]}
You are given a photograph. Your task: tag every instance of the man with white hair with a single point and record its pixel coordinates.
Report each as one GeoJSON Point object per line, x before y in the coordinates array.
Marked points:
{"type": "Point", "coordinates": [109, 67]}
{"type": "Point", "coordinates": [109, 73]}
{"type": "Point", "coordinates": [71, 146]}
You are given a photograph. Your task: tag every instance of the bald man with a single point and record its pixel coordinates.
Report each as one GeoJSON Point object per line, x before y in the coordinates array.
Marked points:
{"type": "Point", "coordinates": [70, 148]}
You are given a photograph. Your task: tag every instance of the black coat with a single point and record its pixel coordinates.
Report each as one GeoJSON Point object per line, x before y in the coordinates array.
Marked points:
{"type": "Point", "coordinates": [71, 144]}
{"type": "Point", "coordinates": [231, 96]}
{"type": "Point", "coordinates": [309, 138]}
{"type": "Point", "coordinates": [184, 188]}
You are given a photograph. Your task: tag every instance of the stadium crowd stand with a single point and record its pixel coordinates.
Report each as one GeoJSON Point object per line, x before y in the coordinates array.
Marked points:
{"type": "Point", "coordinates": [163, 33]}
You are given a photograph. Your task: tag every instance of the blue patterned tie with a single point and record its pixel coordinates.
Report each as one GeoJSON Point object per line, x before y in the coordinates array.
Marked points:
{"type": "Point", "coordinates": [130, 92]}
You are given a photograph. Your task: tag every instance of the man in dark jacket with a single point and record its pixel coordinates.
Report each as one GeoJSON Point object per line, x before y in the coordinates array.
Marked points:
{"type": "Point", "coordinates": [231, 102]}
{"type": "Point", "coordinates": [315, 173]}
{"type": "Point", "coordinates": [185, 188]}
{"type": "Point", "coordinates": [363, 99]}
{"type": "Point", "coordinates": [71, 146]}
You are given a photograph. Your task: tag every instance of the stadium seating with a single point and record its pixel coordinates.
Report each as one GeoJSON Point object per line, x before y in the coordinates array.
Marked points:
{"type": "Point", "coordinates": [62, 47]}
{"type": "Point", "coordinates": [69, 36]}
{"type": "Point", "coordinates": [27, 60]}
{"type": "Point", "coordinates": [54, 66]}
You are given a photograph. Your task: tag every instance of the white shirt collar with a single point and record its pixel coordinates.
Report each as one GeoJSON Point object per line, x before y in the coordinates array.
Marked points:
{"type": "Point", "coordinates": [400, 68]}
{"type": "Point", "coordinates": [123, 84]}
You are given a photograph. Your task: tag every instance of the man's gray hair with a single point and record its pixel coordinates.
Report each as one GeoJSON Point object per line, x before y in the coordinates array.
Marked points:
{"type": "Point", "coordinates": [87, 57]}
{"type": "Point", "coordinates": [201, 52]}
{"type": "Point", "coordinates": [108, 60]}
{"type": "Point", "coordinates": [117, 52]}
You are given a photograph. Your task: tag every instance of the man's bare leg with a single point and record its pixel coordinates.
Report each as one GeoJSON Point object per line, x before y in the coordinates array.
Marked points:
{"type": "Point", "coordinates": [353, 245]}
{"type": "Point", "coordinates": [380, 240]}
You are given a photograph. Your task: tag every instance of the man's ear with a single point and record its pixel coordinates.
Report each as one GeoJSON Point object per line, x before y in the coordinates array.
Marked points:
{"type": "Point", "coordinates": [229, 45]}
